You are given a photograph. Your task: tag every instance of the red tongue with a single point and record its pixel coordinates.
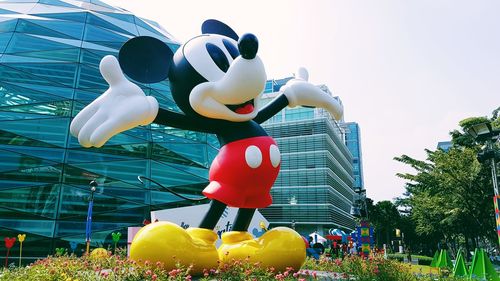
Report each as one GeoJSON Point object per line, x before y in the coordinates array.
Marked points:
{"type": "Point", "coordinates": [245, 109]}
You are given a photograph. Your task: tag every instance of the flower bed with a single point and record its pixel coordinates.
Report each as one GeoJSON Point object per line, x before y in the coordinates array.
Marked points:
{"type": "Point", "coordinates": [116, 267]}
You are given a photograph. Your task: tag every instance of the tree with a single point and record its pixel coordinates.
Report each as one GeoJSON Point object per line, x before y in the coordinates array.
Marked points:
{"type": "Point", "coordinates": [450, 195]}
{"type": "Point", "coordinates": [384, 217]}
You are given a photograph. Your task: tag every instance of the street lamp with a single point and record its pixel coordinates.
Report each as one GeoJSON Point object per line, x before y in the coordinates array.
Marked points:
{"type": "Point", "coordinates": [484, 132]}
{"type": "Point", "coordinates": [359, 204]}
{"type": "Point", "coordinates": [88, 228]}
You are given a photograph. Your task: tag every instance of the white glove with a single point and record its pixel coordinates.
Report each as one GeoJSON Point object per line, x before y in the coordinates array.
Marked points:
{"type": "Point", "coordinates": [123, 106]}
{"type": "Point", "coordinates": [300, 92]}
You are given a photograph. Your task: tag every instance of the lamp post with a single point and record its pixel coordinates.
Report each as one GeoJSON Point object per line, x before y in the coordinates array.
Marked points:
{"type": "Point", "coordinates": [359, 204]}
{"type": "Point", "coordinates": [88, 228]}
{"type": "Point", "coordinates": [484, 132]}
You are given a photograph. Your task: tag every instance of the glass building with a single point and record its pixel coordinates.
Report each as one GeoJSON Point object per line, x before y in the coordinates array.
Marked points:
{"type": "Point", "coordinates": [314, 190]}
{"type": "Point", "coordinates": [353, 142]}
{"type": "Point", "coordinates": [49, 57]}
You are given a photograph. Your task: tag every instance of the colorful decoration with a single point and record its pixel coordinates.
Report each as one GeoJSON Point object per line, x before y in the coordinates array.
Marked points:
{"type": "Point", "coordinates": [116, 237]}
{"type": "Point", "coordinates": [73, 246]}
{"type": "Point", "coordinates": [60, 251]}
{"type": "Point", "coordinates": [365, 238]}
{"type": "Point", "coordinates": [496, 200]}
{"type": "Point", "coordinates": [215, 80]}
{"type": "Point", "coordinates": [460, 269]}
{"type": "Point", "coordinates": [99, 253]}
{"type": "Point", "coordinates": [435, 259]}
{"type": "Point", "coordinates": [444, 260]}
{"type": "Point", "coordinates": [481, 267]}
{"type": "Point", "coordinates": [9, 242]}
{"type": "Point", "coordinates": [21, 238]}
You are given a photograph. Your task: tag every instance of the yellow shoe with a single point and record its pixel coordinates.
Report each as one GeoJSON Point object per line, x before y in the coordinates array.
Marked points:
{"type": "Point", "coordinates": [280, 247]}
{"type": "Point", "coordinates": [170, 244]}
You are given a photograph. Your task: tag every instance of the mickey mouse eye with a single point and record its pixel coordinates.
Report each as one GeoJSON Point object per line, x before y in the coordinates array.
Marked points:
{"type": "Point", "coordinates": [231, 48]}
{"type": "Point", "coordinates": [218, 56]}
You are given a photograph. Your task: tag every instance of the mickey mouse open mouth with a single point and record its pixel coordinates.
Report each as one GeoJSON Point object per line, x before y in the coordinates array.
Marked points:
{"type": "Point", "coordinates": [242, 108]}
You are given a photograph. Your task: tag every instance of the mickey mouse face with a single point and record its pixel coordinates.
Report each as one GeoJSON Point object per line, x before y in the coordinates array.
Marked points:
{"type": "Point", "coordinates": [211, 55]}
{"type": "Point", "coordinates": [208, 76]}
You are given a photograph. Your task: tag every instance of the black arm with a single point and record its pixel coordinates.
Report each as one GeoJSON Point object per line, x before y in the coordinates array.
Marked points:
{"type": "Point", "coordinates": [181, 121]}
{"type": "Point", "coordinates": [271, 109]}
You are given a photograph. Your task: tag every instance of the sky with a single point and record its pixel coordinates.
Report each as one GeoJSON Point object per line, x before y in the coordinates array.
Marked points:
{"type": "Point", "coordinates": [406, 71]}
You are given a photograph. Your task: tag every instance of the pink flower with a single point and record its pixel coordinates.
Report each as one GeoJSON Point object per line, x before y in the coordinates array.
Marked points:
{"type": "Point", "coordinates": [154, 277]}
{"type": "Point", "coordinates": [149, 272]}
{"type": "Point", "coordinates": [314, 274]}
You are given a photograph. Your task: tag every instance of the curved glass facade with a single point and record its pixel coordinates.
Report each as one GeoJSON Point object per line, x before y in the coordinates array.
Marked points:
{"type": "Point", "coordinates": [49, 57]}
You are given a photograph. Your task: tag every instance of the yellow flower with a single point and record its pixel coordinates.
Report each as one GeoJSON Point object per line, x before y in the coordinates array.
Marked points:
{"type": "Point", "coordinates": [21, 237]}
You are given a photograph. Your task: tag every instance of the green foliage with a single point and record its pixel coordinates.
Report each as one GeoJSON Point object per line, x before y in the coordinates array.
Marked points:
{"type": "Point", "coordinates": [384, 217]}
{"type": "Point", "coordinates": [449, 196]}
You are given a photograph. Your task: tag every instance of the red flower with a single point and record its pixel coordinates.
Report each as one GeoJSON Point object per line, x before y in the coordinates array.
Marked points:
{"type": "Point", "coordinates": [9, 242]}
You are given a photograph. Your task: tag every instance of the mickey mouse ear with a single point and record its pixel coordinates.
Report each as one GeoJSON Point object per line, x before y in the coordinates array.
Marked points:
{"type": "Point", "coordinates": [145, 59]}
{"type": "Point", "coordinates": [216, 27]}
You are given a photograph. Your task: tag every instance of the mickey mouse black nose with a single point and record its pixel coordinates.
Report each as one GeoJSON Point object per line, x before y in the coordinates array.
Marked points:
{"type": "Point", "coordinates": [248, 46]}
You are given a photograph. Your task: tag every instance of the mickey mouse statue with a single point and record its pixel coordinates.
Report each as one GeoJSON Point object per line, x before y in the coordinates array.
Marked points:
{"type": "Point", "coordinates": [215, 79]}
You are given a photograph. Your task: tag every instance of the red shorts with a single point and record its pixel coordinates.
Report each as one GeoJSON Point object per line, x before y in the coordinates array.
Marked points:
{"type": "Point", "coordinates": [243, 173]}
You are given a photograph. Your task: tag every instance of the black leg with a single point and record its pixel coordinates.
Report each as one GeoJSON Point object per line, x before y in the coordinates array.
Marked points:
{"type": "Point", "coordinates": [213, 215]}
{"type": "Point", "coordinates": [243, 219]}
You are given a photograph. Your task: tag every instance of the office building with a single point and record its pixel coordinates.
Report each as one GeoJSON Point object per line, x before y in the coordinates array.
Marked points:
{"type": "Point", "coordinates": [353, 143]}
{"type": "Point", "coordinates": [314, 190]}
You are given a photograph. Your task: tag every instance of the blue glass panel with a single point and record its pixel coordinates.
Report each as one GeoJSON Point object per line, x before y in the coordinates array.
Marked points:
{"type": "Point", "coordinates": [126, 171]}
{"type": "Point", "coordinates": [92, 58]}
{"type": "Point", "coordinates": [8, 25]}
{"type": "Point", "coordinates": [170, 176]}
{"type": "Point", "coordinates": [39, 85]}
{"type": "Point", "coordinates": [145, 29]}
{"type": "Point", "coordinates": [52, 131]}
{"type": "Point", "coordinates": [86, 97]}
{"type": "Point", "coordinates": [77, 17]}
{"type": "Point", "coordinates": [196, 171]}
{"type": "Point", "coordinates": [194, 152]}
{"type": "Point", "coordinates": [139, 196]}
{"type": "Point", "coordinates": [139, 132]}
{"type": "Point", "coordinates": [93, 33]}
{"type": "Point", "coordinates": [62, 73]}
{"type": "Point", "coordinates": [158, 136]}
{"type": "Point", "coordinates": [46, 174]}
{"type": "Point", "coordinates": [102, 4]}
{"type": "Point", "coordinates": [8, 184]}
{"type": "Point", "coordinates": [14, 95]}
{"type": "Point", "coordinates": [3, 11]}
{"type": "Point", "coordinates": [26, 26]}
{"type": "Point", "coordinates": [36, 200]}
{"type": "Point", "coordinates": [108, 44]}
{"type": "Point", "coordinates": [68, 28]}
{"type": "Point", "coordinates": [36, 226]}
{"type": "Point", "coordinates": [4, 40]}
{"type": "Point", "coordinates": [90, 77]}
{"type": "Point", "coordinates": [19, 116]}
{"type": "Point", "coordinates": [52, 154]}
{"type": "Point", "coordinates": [123, 17]}
{"type": "Point", "coordinates": [11, 161]}
{"type": "Point", "coordinates": [74, 202]}
{"type": "Point", "coordinates": [26, 43]}
{"type": "Point", "coordinates": [69, 55]}
{"type": "Point", "coordinates": [77, 156]}
{"type": "Point", "coordinates": [60, 108]}
{"type": "Point", "coordinates": [94, 20]}
{"type": "Point", "coordinates": [57, 3]}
